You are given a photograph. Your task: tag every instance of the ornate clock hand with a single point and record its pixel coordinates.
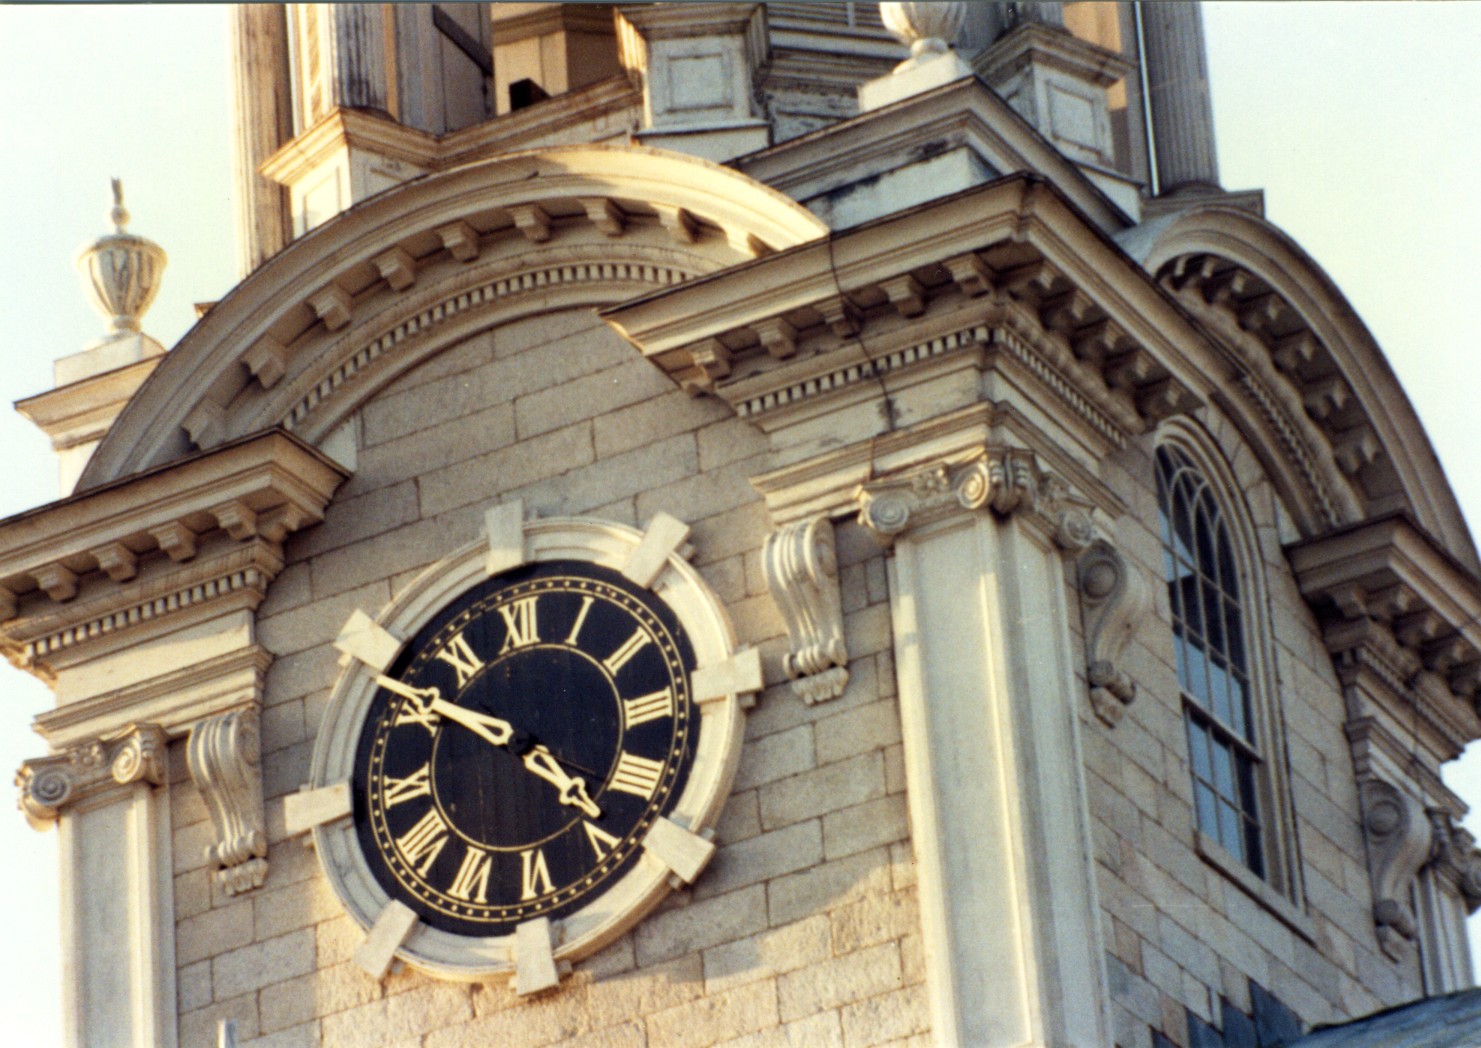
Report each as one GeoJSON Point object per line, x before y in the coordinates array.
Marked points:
{"type": "Point", "coordinates": [573, 790]}
{"type": "Point", "coordinates": [429, 699]}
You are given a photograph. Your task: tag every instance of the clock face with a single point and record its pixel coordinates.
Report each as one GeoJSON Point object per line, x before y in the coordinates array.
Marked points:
{"type": "Point", "coordinates": [521, 746]}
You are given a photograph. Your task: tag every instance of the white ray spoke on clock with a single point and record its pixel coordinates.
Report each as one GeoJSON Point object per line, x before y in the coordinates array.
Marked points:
{"type": "Point", "coordinates": [738, 675]}
{"type": "Point", "coordinates": [600, 840]}
{"type": "Point", "coordinates": [630, 647]}
{"type": "Point", "coordinates": [390, 930]}
{"type": "Point", "coordinates": [636, 775]}
{"type": "Point", "coordinates": [534, 875]}
{"type": "Point", "coordinates": [586, 603]}
{"type": "Point", "coordinates": [534, 957]}
{"type": "Point", "coordinates": [397, 791]}
{"type": "Point", "coordinates": [521, 624]}
{"type": "Point", "coordinates": [364, 639]}
{"type": "Point", "coordinates": [665, 536]}
{"type": "Point", "coordinates": [684, 852]}
{"type": "Point", "coordinates": [304, 810]}
{"type": "Point", "coordinates": [461, 657]}
{"type": "Point", "coordinates": [505, 526]}
{"type": "Point", "coordinates": [421, 844]}
{"type": "Point", "coordinates": [472, 882]}
{"type": "Point", "coordinates": [644, 708]}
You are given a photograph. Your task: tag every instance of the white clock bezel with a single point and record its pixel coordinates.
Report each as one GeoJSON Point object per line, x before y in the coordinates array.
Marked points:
{"type": "Point", "coordinates": [617, 908]}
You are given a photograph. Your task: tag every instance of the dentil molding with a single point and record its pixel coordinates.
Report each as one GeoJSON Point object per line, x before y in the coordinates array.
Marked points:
{"type": "Point", "coordinates": [801, 568]}
{"type": "Point", "coordinates": [1006, 481]}
{"type": "Point", "coordinates": [225, 755]}
{"type": "Point", "coordinates": [49, 785]}
{"type": "Point", "coordinates": [1114, 597]}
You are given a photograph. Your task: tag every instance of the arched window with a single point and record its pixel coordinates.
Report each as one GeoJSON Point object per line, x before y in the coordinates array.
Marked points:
{"type": "Point", "coordinates": [1211, 637]}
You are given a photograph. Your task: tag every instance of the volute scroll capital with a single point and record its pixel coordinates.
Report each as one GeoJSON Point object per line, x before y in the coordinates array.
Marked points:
{"type": "Point", "coordinates": [1400, 835]}
{"type": "Point", "coordinates": [225, 756]}
{"type": "Point", "coordinates": [1005, 481]}
{"type": "Point", "coordinates": [49, 785]}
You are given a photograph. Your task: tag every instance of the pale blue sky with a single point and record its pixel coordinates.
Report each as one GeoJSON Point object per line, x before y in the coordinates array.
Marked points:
{"type": "Point", "coordinates": [1360, 120]}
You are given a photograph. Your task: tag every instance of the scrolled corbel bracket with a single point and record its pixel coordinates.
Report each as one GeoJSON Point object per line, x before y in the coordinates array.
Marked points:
{"type": "Point", "coordinates": [48, 785]}
{"type": "Point", "coordinates": [224, 753]}
{"type": "Point", "coordinates": [801, 567]}
{"type": "Point", "coordinates": [1399, 836]}
{"type": "Point", "coordinates": [1113, 597]}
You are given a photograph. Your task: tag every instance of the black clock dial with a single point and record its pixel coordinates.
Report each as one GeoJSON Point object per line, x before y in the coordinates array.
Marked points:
{"type": "Point", "coordinates": [519, 749]}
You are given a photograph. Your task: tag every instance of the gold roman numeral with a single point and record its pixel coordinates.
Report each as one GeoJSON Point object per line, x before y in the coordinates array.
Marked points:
{"type": "Point", "coordinates": [423, 842]}
{"type": "Point", "coordinates": [623, 655]}
{"type": "Point", "coordinates": [637, 775]}
{"type": "Point", "coordinates": [519, 621]}
{"type": "Point", "coordinates": [601, 841]}
{"type": "Point", "coordinates": [580, 620]}
{"type": "Point", "coordinates": [472, 882]}
{"type": "Point", "coordinates": [645, 708]}
{"type": "Point", "coordinates": [411, 712]}
{"type": "Point", "coordinates": [461, 658]}
{"type": "Point", "coordinates": [535, 875]}
{"type": "Point", "coordinates": [417, 784]}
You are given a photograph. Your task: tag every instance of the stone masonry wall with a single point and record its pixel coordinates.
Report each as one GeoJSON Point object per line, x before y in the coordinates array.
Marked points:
{"type": "Point", "coordinates": [1179, 933]}
{"type": "Point", "coordinates": [803, 930]}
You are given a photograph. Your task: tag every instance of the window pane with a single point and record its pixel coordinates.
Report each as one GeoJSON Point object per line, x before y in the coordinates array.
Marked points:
{"type": "Point", "coordinates": [1198, 751]}
{"type": "Point", "coordinates": [1208, 818]}
{"type": "Point", "coordinates": [1224, 770]}
{"type": "Point", "coordinates": [1231, 830]}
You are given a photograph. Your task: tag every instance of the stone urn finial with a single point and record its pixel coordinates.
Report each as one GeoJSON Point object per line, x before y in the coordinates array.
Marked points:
{"type": "Point", "coordinates": [929, 28]}
{"type": "Point", "coordinates": [122, 271]}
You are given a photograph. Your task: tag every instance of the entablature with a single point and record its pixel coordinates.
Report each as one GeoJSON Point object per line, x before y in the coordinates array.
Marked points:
{"type": "Point", "coordinates": [1398, 610]}
{"type": "Point", "coordinates": [101, 569]}
{"type": "Point", "coordinates": [1004, 278]}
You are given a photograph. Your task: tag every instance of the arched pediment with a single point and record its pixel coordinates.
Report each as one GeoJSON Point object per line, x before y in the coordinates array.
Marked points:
{"type": "Point", "coordinates": [1352, 446]}
{"type": "Point", "coordinates": [380, 288]}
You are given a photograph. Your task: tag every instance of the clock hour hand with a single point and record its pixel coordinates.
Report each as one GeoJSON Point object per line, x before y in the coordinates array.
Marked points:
{"type": "Point", "coordinates": [573, 790]}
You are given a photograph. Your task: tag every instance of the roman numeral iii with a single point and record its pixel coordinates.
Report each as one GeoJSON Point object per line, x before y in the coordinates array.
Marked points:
{"type": "Point", "coordinates": [645, 708]}
{"type": "Point", "coordinates": [637, 775]}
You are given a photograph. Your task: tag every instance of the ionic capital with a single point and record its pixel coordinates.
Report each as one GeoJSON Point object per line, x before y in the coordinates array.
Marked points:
{"type": "Point", "coordinates": [49, 785]}
{"type": "Point", "coordinates": [1005, 481]}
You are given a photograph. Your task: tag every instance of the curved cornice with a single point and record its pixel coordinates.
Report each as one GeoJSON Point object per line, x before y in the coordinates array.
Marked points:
{"type": "Point", "coordinates": [578, 225]}
{"type": "Point", "coordinates": [1256, 283]}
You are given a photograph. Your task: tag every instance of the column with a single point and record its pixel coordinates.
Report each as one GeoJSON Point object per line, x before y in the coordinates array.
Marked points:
{"type": "Point", "coordinates": [1177, 82]}
{"type": "Point", "coordinates": [111, 808]}
{"type": "Point", "coordinates": [988, 701]}
{"type": "Point", "coordinates": [263, 119]}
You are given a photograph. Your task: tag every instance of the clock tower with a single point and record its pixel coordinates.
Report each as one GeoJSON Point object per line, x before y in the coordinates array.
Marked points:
{"type": "Point", "coordinates": [746, 524]}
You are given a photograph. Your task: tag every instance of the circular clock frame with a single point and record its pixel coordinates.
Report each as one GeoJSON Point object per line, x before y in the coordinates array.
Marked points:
{"type": "Point", "coordinates": [617, 907]}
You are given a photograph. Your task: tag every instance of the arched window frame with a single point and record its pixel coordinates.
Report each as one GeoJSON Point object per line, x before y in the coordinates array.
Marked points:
{"type": "Point", "coordinates": [1279, 869]}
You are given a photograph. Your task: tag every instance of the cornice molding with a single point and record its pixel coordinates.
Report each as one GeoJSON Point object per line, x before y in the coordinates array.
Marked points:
{"type": "Point", "coordinates": [1384, 582]}
{"type": "Point", "coordinates": [813, 324]}
{"type": "Point", "coordinates": [120, 548]}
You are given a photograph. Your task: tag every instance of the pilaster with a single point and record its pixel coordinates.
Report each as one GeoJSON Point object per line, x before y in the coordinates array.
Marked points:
{"type": "Point", "coordinates": [109, 801]}
{"type": "Point", "coordinates": [263, 117]}
{"type": "Point", "coordinates": [988, 701]}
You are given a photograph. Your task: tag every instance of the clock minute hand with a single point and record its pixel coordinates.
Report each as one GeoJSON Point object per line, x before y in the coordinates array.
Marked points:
{"type": "Point", "coordinates": [491, 729]}
{"type": "Point", "coordinates": [573, 791]}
